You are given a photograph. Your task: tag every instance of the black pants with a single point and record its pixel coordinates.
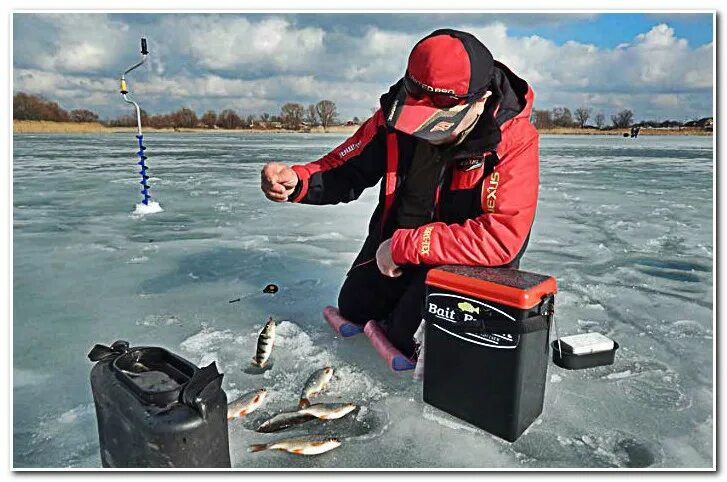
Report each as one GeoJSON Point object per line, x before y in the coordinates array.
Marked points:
{"type": "Point", "coordinates": [367, 294]}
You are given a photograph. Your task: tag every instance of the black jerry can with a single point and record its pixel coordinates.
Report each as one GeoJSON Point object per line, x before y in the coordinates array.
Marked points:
{"type": "Point", "coordinates": [156, 409]}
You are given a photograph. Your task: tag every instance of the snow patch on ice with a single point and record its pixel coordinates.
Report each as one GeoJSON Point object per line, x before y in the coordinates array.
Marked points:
{"type": "Point", "coordinates": [442, 418]}
{"type": "Point", "coordinates": [72, 415]}
{"type": "Point", "coordinates": [143, 209]}
{"type": "Point", "coordinates": [319, 237]}
{"type": "Point", "coordinates": [614, 376]}
{"type": "Point", "coordinates": [295, 356]}
{"type": "Point", "coordinates": [206, 340]}
{"type": "Point", "coordinates": [610, 449]}
{"type": "Point", "coordinates": [159, 320]}
{"type": "Point", "coordinates": [52, 426]}
{"type": "Point", "coordinates": [208, 358]}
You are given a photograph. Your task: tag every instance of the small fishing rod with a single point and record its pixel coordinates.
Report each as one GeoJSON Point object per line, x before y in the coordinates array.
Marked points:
{"type": "Point", "coordinates": [140, 136]}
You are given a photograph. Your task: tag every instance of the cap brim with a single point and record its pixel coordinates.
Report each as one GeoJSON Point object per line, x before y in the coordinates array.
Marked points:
{"type": "Point", "coordinates": [420, 119]}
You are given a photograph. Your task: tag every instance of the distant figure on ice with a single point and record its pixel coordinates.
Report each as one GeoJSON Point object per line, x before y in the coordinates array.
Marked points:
{"type": "Point", "coordinates": [635, 131]}
{"type": "Point", "coordinates": [457, 160]}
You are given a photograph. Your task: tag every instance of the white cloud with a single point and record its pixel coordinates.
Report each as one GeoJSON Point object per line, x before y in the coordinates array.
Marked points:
{"type": "Point", "coordinates": [221, 42]}
{"type": "Point", "coordinates": [260, 62]}
{"type": "Point", "coordinates": [655, 61]}
{"type": "Point", "coordinates": [84, 43]}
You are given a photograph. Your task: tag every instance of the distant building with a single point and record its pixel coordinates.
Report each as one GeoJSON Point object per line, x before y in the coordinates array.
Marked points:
{"type": "Point", "coordinates": [706, 123]}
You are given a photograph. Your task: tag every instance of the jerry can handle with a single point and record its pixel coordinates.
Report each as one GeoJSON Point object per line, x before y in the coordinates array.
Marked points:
{"type": "Point", "coordinates": [102, 352]}
{"type": "Point", "coordinates": [202, 388]}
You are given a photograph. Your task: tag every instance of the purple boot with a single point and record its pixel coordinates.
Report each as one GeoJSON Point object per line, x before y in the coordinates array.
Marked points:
{"type": "Point", "coordinates": [394, 358]}
{"type": "Point", "coordinates": [342, 326]}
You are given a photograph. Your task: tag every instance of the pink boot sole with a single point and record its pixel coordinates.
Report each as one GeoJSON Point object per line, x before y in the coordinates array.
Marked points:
{"type": "Point", "coordinates": [342, 326]}
{"type": "Point", "coordinates": [394, 358]}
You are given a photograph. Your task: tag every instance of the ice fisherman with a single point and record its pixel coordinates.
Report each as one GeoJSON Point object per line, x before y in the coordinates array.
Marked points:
{"type": "Point", "coordinates": [456, 156]}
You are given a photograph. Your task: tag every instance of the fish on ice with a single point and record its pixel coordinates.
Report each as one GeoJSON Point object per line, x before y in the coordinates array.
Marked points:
{"type": "Point", "coordinates": [315, 384]}
{"type": "Point", "coordinates": [311, 445]}
{"type": "Point", "coordinates": [329, 411]}
{"type": "Point", "coordinates": [246, 404]}
{"type": "Point", "coordinates": [284, 420]}
{"type": "Point", "coordinates": [265, 344]}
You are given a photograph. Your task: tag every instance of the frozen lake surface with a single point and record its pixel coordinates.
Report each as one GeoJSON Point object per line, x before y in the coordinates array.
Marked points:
{"type": "Point", "coordinates": [624, 225]}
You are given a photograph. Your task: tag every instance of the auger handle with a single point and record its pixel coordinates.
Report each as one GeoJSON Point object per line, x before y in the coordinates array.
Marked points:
{"type": "Point", "coordinates": [144, 50]}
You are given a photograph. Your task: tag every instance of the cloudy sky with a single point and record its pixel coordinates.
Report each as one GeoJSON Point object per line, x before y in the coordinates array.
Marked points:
{"type": "Point", "coordinates": [658, 65]}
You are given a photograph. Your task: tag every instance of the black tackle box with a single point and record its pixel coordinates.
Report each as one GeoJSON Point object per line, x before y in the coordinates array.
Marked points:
{"type": "Point", "coordinates": [486, 345]}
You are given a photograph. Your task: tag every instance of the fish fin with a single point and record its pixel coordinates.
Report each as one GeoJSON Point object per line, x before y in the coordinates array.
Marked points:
{"type": "Point", "coordinates": [242, 413]}
{"type": "Point", "coordinates": [257, 447]}
{"type": "Point", "coordinates": [256, 399]}
{"type": "Point", "coordinates": [304, 403]}
{"type": "Point", "coordinates": [296, 451]}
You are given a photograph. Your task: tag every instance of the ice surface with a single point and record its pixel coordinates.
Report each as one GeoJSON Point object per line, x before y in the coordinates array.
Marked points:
{"type": "Point", "coordinates": [624, 225]}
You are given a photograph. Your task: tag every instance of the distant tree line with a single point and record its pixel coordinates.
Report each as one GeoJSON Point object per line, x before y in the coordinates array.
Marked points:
{"type": "Point", "coordinates": [33, 107]}
{"type": "Point", "coordinates": [292, 116]}
{"type": "Point", "coordinates": [296, 116]}
{"type": "Point", "coordinates": [563, 117]}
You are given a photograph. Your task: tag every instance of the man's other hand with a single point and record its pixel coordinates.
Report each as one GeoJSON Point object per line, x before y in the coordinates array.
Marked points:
{"type": "Point", "coordinates": [385, 262]}
{"type": "Point", "coordinates": [277, 181]}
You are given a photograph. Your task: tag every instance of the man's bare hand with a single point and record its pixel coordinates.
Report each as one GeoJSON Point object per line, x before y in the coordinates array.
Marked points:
{"type": "Point", "coordinates": [277, 181]}
{"type": "Point", "coordinates": [385, 261]}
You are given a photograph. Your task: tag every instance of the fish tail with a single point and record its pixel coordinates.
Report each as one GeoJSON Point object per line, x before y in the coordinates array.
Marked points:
{"type": "Point", "coordinates": [303, 403]}
{"type": "Point", "coordinates": [257, 447]}
{"type": "Point", "coordinates": [477, 310]}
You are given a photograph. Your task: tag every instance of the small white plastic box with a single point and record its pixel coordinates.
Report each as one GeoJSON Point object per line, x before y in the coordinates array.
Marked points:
{"type": "Point", "coordinates": [586, 343]}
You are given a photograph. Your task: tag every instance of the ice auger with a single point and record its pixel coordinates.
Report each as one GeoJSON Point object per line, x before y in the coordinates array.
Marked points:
{"type": "Point", "coordinates": [140, 137]}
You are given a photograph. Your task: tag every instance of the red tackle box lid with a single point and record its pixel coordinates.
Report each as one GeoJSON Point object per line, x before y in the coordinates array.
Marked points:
{"type": "Point", "coordinates": [512, 287]}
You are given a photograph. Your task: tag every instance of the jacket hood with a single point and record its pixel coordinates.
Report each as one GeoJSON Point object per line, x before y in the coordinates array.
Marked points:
{"type": "Point", "coordinates": [516, 94]}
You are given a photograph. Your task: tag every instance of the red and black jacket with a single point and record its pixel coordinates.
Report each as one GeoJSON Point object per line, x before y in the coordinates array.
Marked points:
{"type": "Point", "coordinates": [483, 214]}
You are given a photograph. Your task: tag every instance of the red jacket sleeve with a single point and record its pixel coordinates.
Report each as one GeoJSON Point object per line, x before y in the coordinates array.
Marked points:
{"type": "Point", "coordinates": [345, 172]}
{"type": "Point", "coordinates": [509, 198]}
